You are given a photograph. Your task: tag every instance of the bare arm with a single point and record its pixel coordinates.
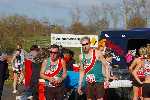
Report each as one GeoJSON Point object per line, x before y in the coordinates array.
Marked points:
{"type": "Point", "coordinates": [81, 76]}
{"type": "Point", "coordinates": [138, 66]}
{"type": "Point", "coordinates": [12, 60]}
{"type": "Point", "coordinates": [105, 65]}
{"type": "Point", "coordinates": [42, 75]}
{"type": "Point", "coordinates": [81, 72]}
{"type": "Point", "coordinates": [133, 64]}
{"type": "Point", "coordinates": [64, 69]}
{"type": "Point", "coordinates": [3, 57]}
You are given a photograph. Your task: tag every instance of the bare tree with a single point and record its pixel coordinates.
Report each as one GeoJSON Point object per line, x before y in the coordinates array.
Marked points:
{"type": "Point", "coordinates": [133, 10]}
{"type": "Point", "coordinates": [136, 22]}
{"type": "Point", "coordinates": [98, 17]}
{"type": "Point", "coordinates": [75, 14]}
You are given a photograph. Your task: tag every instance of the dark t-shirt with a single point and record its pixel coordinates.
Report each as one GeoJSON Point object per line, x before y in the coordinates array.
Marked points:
{"type": "Point", "coordinates": [4, 70]}
{"type": "Point", "coordinates": [69, 65]}
{"type": "Point", "coordinates": [35, 72]}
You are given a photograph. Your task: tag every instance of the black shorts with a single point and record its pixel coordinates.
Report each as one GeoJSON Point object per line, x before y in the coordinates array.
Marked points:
{"type": "Point", "coordinates": [146, 90]}
{"type": "Point", "coordinates": [95, 90]}
{"type": "Point", "coordinates": [56, 93]}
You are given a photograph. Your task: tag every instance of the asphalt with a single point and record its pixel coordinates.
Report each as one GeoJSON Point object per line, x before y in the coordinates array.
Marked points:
{"type": "Point", "coordinates": [8, 95]}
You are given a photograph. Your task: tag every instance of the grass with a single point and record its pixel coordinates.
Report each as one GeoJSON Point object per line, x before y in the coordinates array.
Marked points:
{"type": "Point", "coordinates": [39, 40]}
{"type": "Point", "coordinates": [45, 41]}
{"type": "Point", "coordinates": [42, 41]}
{"type": "Point", "coordinates": [9, 81]}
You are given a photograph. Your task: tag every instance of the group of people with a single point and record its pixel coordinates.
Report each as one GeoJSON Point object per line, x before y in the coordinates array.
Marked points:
{"type": "Point", "coordinates": [53, 65]}
{"type": "Point", "coordinates": [94, 70]}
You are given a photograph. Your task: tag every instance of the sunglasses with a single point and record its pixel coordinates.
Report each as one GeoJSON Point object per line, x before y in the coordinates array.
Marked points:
{"type": "Point", "coordinates": [85, 44]}
{"type": "Point", "coordinates": [53, 52]}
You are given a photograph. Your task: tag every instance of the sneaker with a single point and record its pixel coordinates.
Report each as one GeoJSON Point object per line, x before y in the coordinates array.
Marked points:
{"type": "Point", "coordinates": [18, 97]}
{"type": "Point", "coordinates": [14, 91]}
{"type": "Point", "coordinates": [30, 98]}
{"type": "Point", "coordinates": [23, 97]}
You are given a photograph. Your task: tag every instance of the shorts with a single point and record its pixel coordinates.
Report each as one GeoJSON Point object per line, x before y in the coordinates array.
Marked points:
{"type": "Point", "coordinates": [56, 93]}
{"type": "Point", "coordinates": [95, 90]}
{"type": "Point", "coordinates": [146, 90]}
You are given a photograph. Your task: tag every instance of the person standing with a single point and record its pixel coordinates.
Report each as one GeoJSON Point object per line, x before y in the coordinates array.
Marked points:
{"type": "Point", "coordinates": [91, 73]}
{"type": "Point", "coordinates": [137, 62]}
{"type": "Point", "coordinates": [17, 69]}
{"type": "Point", "coordinates": [22, 54]}
{"type": "Point", "coordinates": [32, 72]}
{"type": "Point", "coordinates": [68, 58]}
{"type": "Point", "coordinates": [4, 72]}
{"type": "Point", "coordinates": [54, 72]}
{"type": "Point", "coordinates": [146, 82]}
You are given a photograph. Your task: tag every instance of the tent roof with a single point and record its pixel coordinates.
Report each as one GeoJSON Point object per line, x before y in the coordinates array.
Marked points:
{"type": "Point", "coordinates": [134, 34]}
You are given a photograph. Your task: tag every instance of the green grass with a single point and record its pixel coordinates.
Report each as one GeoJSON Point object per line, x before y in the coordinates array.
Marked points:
{"type": "Point", "coordinates": [45, 41]}
{"type": "Point", "coordinates": [9, 81]}
{"type": "Point", "coordinates": [42, 41]}
{"type": "Point", "coordinates": [39, 40]}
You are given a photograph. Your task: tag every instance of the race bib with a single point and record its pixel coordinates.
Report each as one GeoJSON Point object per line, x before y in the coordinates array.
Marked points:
{"type": "Point", "coordinates": [86, 66]}
{"type": "Point", "coordinates": [51, 70]}
{"type": "Point", "coordinates": [90, 78]}
{"type": "Point", "coordinates": [17, 65]}
{"type": "Point", "coordinates": [55, 84]}
{"type": "Point", "coordinates": [140, 73]}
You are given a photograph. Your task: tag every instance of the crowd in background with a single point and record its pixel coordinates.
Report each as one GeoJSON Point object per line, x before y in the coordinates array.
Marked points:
{"type": "Point", "coordinates": [65, 80]}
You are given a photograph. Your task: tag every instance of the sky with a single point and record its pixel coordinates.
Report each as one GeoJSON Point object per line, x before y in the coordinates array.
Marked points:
{"type": "Point", "coordinates": [57, 11]}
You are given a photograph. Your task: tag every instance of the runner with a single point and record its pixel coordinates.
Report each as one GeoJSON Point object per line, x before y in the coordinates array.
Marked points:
{"type": "Point", "coordinates": [146, 83]}
{"type": "Point", "coordinates": [17, 69]}
{"type": "Point", "coordinates": [22, 54]}
{"type": "Point", "coordinates": [135, 64]}
{"type": "Point", "coordinates": [54, 72]}
{"type": "Point", "coordinates": [91, 71]}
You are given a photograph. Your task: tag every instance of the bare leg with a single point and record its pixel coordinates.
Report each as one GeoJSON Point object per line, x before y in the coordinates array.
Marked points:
{"type": "Point", "coordinates": [100, 99]}
{"type": "Point", "coordinates": [15, 82]}
{"type": "Point", "coordinates": [135, 91]}
{"type": "Point", "coordinates": [146, 98]}
{"type": "Point", "coordinates": [141, 93]}
{"type": "Point", "coordinates": [21, 78]}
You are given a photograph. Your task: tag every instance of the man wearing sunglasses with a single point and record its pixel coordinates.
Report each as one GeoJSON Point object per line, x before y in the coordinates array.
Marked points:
{"type": "Point", "coordinates": [91, 73]}
{"type": "Point", "coordinates": [54, 72]}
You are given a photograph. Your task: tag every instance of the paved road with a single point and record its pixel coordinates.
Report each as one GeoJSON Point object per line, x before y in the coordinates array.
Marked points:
{"type": "Point", "coordinates": [8, 95]}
